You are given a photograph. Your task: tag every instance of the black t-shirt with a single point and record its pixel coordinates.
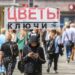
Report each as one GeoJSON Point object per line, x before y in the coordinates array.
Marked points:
{"type": "Point", "coordinates": [10, 49]}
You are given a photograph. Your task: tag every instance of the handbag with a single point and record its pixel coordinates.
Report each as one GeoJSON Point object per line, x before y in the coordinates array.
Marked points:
{"type": "Point", "coordinates": [21, 63]}
{"type": "Point", "coordinates": [21, 66]}
{"type": "Point", "coordinates": [29, 67]}
{"type": "Point", "coordinates": [70, 44]}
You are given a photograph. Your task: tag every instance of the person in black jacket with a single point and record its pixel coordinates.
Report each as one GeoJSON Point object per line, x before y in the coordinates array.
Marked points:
{"type": "Point", "coordinates": [33, 56]}
{"type": "Point", "coordinates": [10, 50]}
{"type": "Point", "coordinates": [54, 49]}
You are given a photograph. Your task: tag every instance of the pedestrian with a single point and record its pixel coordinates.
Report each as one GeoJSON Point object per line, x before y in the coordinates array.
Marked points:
{"type": "Point", "coordinates": [45, 38]}
{"type": "Point", "coordinates": [10, 50]}
{"type": "Point", "coordinates": [72, 30]}
{"type": "Point", "coordinates": [21, 41]}
{"type": "Point", "coordinates": [54, 50]}
{"type": "Point", "coordinates": [40, 33]}
{"type": "Point", "coordinates": [35, 32]}
{"type": "Point", "coordinates": [33, 56]}
{"type": "Point", "coordinates": [2, 37]}
{"type": "Point", "coordinates": [67, 41]}
{"type": "Point", "coordinates": [14, 36]}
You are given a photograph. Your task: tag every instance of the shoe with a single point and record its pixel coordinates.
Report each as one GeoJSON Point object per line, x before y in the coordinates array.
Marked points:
{"type": "Point", "coordinates": [48, 70]}
{"type": "Point", "coordinates": [56, 72]}
{"type": "Point", "coordinates": [68, 60]}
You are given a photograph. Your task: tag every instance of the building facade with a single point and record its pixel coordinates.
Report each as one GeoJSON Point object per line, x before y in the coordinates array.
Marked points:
{"type": "Point", "coordinates": [67, 7]}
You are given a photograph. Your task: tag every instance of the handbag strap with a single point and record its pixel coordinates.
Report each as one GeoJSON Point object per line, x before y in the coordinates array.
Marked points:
{"type": "Point", "coordinates": [51, 44]}
{"type": "Point", "coordinates": [67, 36]}
{"type": "Point", "coordinates": [11, 48]}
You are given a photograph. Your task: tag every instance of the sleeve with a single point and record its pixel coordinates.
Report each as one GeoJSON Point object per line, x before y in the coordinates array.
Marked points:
{"type": "Point", "coordinates": [2, 47]}
{"type": "Point", "coordinates": [41, 56]}
{"type": "Point", "coordinates": [70, 34]}
{"type": "Point", "coordinates": [63, 37]}
{"type": "Point", "coordinates": [56, 43]}
{"type": "Point", "coordinates": [15, 49]}
{"type": "Point", "coordinates": [25, 54]}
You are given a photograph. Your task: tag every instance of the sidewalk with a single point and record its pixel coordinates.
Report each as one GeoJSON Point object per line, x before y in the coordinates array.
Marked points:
{"type": "Point", "coordinates": [63, 68]}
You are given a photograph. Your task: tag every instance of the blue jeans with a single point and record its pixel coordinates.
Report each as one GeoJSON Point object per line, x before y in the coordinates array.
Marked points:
{"type": "Point", "coordinates": [68, 52]}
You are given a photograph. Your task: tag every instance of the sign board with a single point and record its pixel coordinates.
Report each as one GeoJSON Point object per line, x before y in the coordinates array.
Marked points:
{"type": "Point", "coordinates": [32, 17]}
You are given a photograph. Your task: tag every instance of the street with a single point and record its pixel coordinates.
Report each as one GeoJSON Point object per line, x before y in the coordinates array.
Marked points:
{"type": "Point", "coordinates": [63, 69]}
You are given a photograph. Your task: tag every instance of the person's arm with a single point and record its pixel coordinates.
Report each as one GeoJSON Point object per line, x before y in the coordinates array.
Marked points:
{"type": "Point", "coordinates": [15, 49]}
{"type": "Point", "coordinates": [41, 58]}
{"type": "Point", "coordinates": [2, 48]}
{"type": "Point", "coordinates": [27, 54]}
{"type": "Point", "coordinates": [63, 37]}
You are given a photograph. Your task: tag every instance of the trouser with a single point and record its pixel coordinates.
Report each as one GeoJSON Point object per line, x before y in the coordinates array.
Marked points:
{"type": "Point", "coordinates": [45, 47]}
{"type": "Point", "coordinates": [68, 52]}
{"type": "Point", "coordinates": [10, 67]}
{"type": "Point", "coordinates": [33, 74]}
{"type": "Point", "coordinates": [53, 58]}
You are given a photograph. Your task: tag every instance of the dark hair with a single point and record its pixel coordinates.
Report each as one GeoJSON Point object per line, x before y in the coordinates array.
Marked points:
{"type": "Point", "coordinates": [14, 31]}
{"type": "Point", "coordinates": [68, 26]}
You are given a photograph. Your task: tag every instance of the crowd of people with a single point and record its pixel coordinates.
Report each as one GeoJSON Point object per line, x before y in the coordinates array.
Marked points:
{"type": "Point", "coordinates": [35, 48]}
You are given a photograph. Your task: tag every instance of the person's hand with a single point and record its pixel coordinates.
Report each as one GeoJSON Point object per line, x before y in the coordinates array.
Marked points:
{"type": "Point", "coordinates": [31, 55]}
{"type": "Point", "coordinates": [36, 55]}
